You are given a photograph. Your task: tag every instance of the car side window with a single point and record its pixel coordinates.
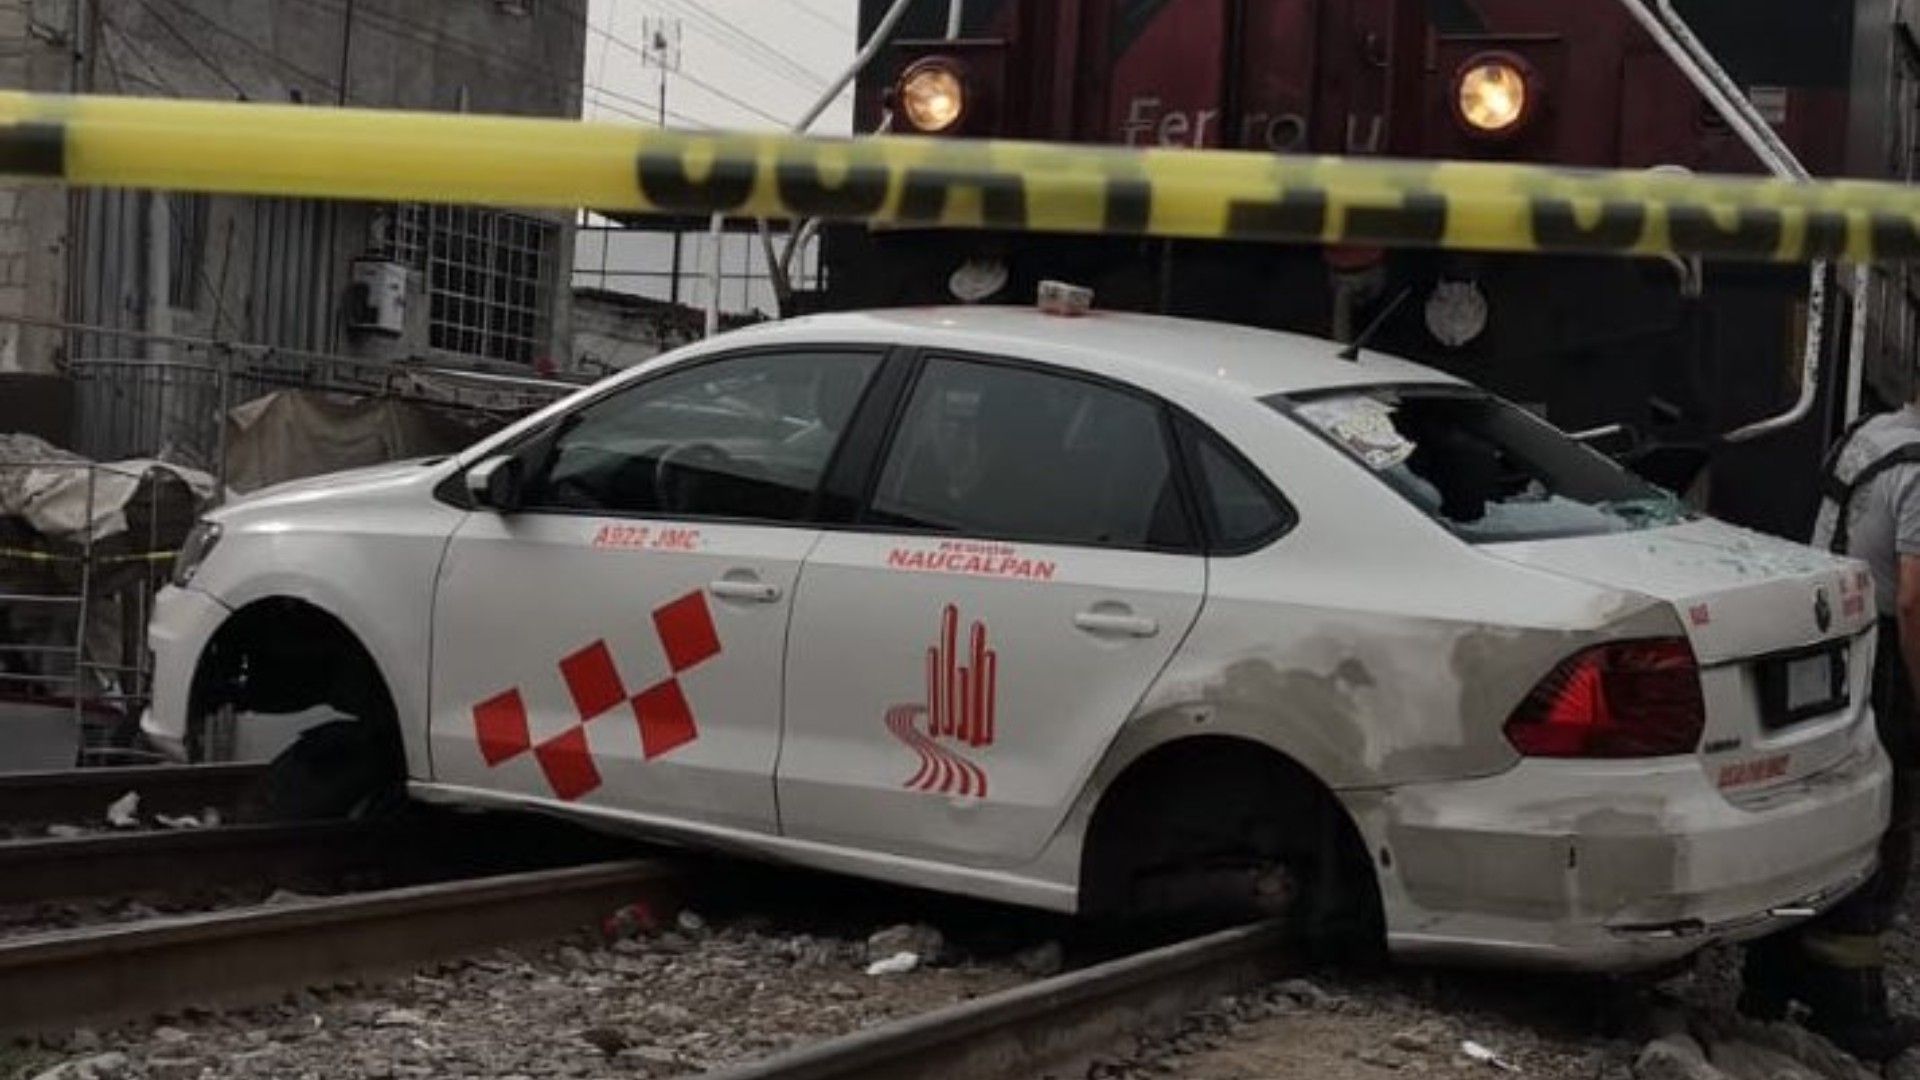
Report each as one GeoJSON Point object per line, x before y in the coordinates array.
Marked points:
{"type": "Point", "coordinates": [745, 437]}
{"type": "Point", "coordinates": [996, 451]}
{"type": "Point", "coordinates": [1242, 510]}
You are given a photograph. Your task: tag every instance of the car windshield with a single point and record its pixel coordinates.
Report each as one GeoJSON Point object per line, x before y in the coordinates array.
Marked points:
{"type": "Point", "coordinates": [1486, 469]}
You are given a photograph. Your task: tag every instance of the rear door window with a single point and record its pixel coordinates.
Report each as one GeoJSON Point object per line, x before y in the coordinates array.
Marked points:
{"type": "Point", "coordinates": [1242, 511]}
{"type": "Point", "coordinates": [994, 450]}
{"type": "Point", "coordinates": [1486, 469]}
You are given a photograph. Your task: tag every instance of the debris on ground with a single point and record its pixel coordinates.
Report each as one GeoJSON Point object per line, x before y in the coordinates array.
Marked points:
{"type": "Point", "coordinates": [1042, 960]}
{"type": "Point", "coordinates": [124, 812]}
{"type": "Point", "coordinates": [899, 963]}
{"type": "Point", "coordinates": [923, 941]}
{"type": "Point", "coordinates": [1485, 1056]}
{"type": "Point", "coordinates": [666, 1003]}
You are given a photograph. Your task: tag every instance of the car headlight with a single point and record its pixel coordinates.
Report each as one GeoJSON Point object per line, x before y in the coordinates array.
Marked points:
{"type": "Point", "coordinates": [1494, 94]}
{"type": "Point", "coordinates": [932, 96]}
{"type": "Point", "coordinates": [194, 551]}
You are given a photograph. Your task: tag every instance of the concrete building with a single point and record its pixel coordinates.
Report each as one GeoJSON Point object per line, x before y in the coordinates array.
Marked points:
{"type": "Point", "coordinates": [481, 288]}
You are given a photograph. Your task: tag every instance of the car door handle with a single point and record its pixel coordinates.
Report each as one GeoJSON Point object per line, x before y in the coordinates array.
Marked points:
{"type": "Point", "coordinates": [758, 592]}
{"type": "Point", "coordinates": [1115, 622]}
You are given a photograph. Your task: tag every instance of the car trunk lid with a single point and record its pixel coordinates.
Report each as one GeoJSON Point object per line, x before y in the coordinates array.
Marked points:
{"type": "Point", "coordinates": [1780, 631]}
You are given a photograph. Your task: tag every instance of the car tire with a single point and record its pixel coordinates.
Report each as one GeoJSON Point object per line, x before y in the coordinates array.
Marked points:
{"type": "Point", "coordinates": [337, 770]}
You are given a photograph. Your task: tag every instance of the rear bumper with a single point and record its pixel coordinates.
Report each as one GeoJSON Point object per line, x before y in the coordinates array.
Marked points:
{"type": "Point", "coordinates": [1615, 866]}
{"type": "Point", "coordinates": [183, 622]}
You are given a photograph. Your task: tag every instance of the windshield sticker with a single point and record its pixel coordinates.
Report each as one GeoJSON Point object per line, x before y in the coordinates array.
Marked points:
{"type": "Point", "coordinates": [646, 538]}
{"type": "Point", "coordinates": [1364, 426]}
{"type": "Point", "coordinates": [958, 712]}
{"type": "Point", "coordinates": [969, 557]}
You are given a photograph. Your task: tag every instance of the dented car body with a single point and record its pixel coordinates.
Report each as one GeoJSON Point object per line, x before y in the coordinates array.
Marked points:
{"type": "Point", "coordinates": [1045, 610]}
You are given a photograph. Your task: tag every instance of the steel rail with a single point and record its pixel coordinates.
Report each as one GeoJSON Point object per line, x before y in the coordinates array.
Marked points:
{"type": "Point", "coordinates": [54, 981]}
{"type": "Point", "coordinates": [77, 795]}
{"type": "Point", "coordinates": [138, 863]}
{"type": "Point", "coordinates": [1042, 1025]}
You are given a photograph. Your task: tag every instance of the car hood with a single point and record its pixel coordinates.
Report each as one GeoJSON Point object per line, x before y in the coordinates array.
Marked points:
{"type": "Point", "coordinates": [348, 481]}
{"type": "Point", "coordinates": [1739, 593]}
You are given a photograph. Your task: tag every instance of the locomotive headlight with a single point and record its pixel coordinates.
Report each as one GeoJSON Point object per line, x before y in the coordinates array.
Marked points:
{"type": "Point", "coordinates": [932, 96]}
{"type": "Point", "coordinates": [1494, 94]}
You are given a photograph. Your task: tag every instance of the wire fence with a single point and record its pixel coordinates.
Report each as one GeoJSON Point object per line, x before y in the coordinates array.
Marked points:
{"type": "Point", "coordinates": [74, 604]}
{"type": "Point", "coordinates": [87, 541]}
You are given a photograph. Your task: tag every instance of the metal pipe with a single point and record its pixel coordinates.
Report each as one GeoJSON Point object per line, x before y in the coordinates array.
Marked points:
{"type": "Point", "coordinates": [715, 232]}
{"type": "Point", "coordinates": [956, 10]}
{"type": "Point", "coordinates": [881, 34]}
{"type": "Point", "coordinates": [1857, 347]}
{"type": "Point", "coordinates": [1677, 39]}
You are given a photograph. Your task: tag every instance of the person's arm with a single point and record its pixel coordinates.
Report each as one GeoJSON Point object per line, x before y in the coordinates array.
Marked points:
{"type": "Point", "coordinates": [1908, 613]}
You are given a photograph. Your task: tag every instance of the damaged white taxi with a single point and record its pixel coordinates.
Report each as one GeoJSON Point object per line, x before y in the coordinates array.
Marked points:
{"type": "Point", "coordinates": [1110, 614]}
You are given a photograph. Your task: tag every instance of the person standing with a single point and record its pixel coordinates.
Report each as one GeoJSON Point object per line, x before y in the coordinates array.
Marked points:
{"type": "Point", "coordinates": [1835, 964]}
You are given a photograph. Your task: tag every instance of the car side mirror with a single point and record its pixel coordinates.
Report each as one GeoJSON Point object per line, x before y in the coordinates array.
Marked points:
{"type": "Point", "coordinates": [496, 483]}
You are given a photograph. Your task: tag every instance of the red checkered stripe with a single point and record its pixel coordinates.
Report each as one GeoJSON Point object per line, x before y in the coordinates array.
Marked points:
{"type": "Point", "coordinates": [687, 636]}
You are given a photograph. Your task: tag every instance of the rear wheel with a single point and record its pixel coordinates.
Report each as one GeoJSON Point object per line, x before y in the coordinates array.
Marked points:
{"type": "Point", "coordinates": [1216, 831]}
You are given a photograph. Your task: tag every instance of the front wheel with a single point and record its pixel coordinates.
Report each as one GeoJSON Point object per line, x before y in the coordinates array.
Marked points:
{"type": "Point", "coordinates": [339, 769]}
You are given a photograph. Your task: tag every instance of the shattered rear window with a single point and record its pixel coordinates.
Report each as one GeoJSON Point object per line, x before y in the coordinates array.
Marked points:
{"type": "Point", "coordinates": [1486, 469]}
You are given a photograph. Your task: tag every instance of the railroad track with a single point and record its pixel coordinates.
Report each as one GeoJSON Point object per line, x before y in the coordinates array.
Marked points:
{"type": "Point", "coordinates": [418, 847]}
{"type": "Point", "coordinates": [1053, 1023]}
{"type": "Point", "coordinates": [54, 981]}
{"type": "Point", "coordinates": [449, 883]}
{"type": "Point", "coordinates": [75, 795]}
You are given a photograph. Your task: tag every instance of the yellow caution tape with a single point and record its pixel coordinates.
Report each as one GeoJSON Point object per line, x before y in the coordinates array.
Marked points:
{"type": "Point", "coordinates": [904, 181]}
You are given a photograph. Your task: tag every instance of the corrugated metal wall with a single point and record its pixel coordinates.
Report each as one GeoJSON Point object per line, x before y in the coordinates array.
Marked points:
{"type": "Point", "coordinates": [292, 288]}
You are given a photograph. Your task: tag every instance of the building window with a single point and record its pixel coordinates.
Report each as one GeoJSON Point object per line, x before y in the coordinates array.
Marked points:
{"type": "Point", "coordinates": [488, 274]}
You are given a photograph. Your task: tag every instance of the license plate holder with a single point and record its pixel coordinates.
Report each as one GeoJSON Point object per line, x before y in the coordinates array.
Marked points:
{"type": "Point", "coordinates": [1803, 684]}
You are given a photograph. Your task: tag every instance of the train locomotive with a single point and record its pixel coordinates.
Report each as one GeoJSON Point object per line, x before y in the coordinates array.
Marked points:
{"type": "Point", "coordinates": [1693, 373]}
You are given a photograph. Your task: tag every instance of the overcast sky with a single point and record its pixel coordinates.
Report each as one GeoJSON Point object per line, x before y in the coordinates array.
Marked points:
{"type": "Point", "coordinates": [744, 64]}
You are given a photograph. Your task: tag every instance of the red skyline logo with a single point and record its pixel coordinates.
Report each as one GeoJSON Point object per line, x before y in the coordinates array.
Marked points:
{"type": "Point", "coordinates": [959, 711]}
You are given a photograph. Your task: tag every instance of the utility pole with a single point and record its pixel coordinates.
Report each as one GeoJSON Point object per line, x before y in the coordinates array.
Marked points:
{"type": "Point", "coordinates": [662, 50]}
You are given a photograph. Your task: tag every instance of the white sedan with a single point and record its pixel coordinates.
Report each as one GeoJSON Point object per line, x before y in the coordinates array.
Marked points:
{"type": "Point", "coordinates": [1110, 614]}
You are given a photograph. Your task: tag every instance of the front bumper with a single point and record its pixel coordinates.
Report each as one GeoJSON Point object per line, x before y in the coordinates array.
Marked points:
{"type": "Point", "coordinates": [184, 620]}
{"type": "Point", "coordinates": [1617, 866]}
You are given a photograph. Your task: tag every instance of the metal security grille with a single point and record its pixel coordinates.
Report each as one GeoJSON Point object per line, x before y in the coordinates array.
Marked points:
{"type": "Point", "coordinates": [489, 276]}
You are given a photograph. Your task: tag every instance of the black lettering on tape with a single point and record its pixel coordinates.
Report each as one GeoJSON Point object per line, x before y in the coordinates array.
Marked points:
{"type": "Point", "coordinates": [667, 183]}
{"type": "Point", "coordinates": [1129, 202]}
{"type": "Point", "coordinates": [1421, 218]}
{"type": "Point", "coordinates": [928, 193]}
{"type": "Point", "coordinates": [33, 149]}
{"type": "Point", "coordinates": [1826, 235]}
{"type": "Point", "coordinates": [1298, 214]}
{"type": "Point", "coordinates": [806, 192]}
{"type": "Point", "coordinates": [1693, 230]}
{"type": "Point", "coordinates": [1895, 236]}
{"type": "Point", "coordinates": [1556, 227]}
{"type": "Point", "coordinates": [1129, 205]}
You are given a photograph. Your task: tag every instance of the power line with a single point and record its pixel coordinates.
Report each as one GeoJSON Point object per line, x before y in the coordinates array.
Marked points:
{"type": "Point", "coordinates": [406, 29]}
{"type": "Point", "coordinates": [727, 32]}
{"type": "Point", "coordinates": [248, 43]}
{"type": "Point", "coordinates": [695, 80]}
{"type": "Point", "coordinates": [652, 114]}
{"type": "Point", "coordinates": [187, 43]}
{"type": "Point", "coordinates": [821, 16]}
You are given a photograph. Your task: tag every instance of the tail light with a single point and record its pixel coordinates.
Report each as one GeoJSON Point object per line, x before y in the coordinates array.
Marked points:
{"type": "Point", "coordinates": [1628, 699]}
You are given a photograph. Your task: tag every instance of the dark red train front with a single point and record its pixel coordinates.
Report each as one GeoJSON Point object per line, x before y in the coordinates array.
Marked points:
{"type": "Point", "coordinates": [1679, 354]}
